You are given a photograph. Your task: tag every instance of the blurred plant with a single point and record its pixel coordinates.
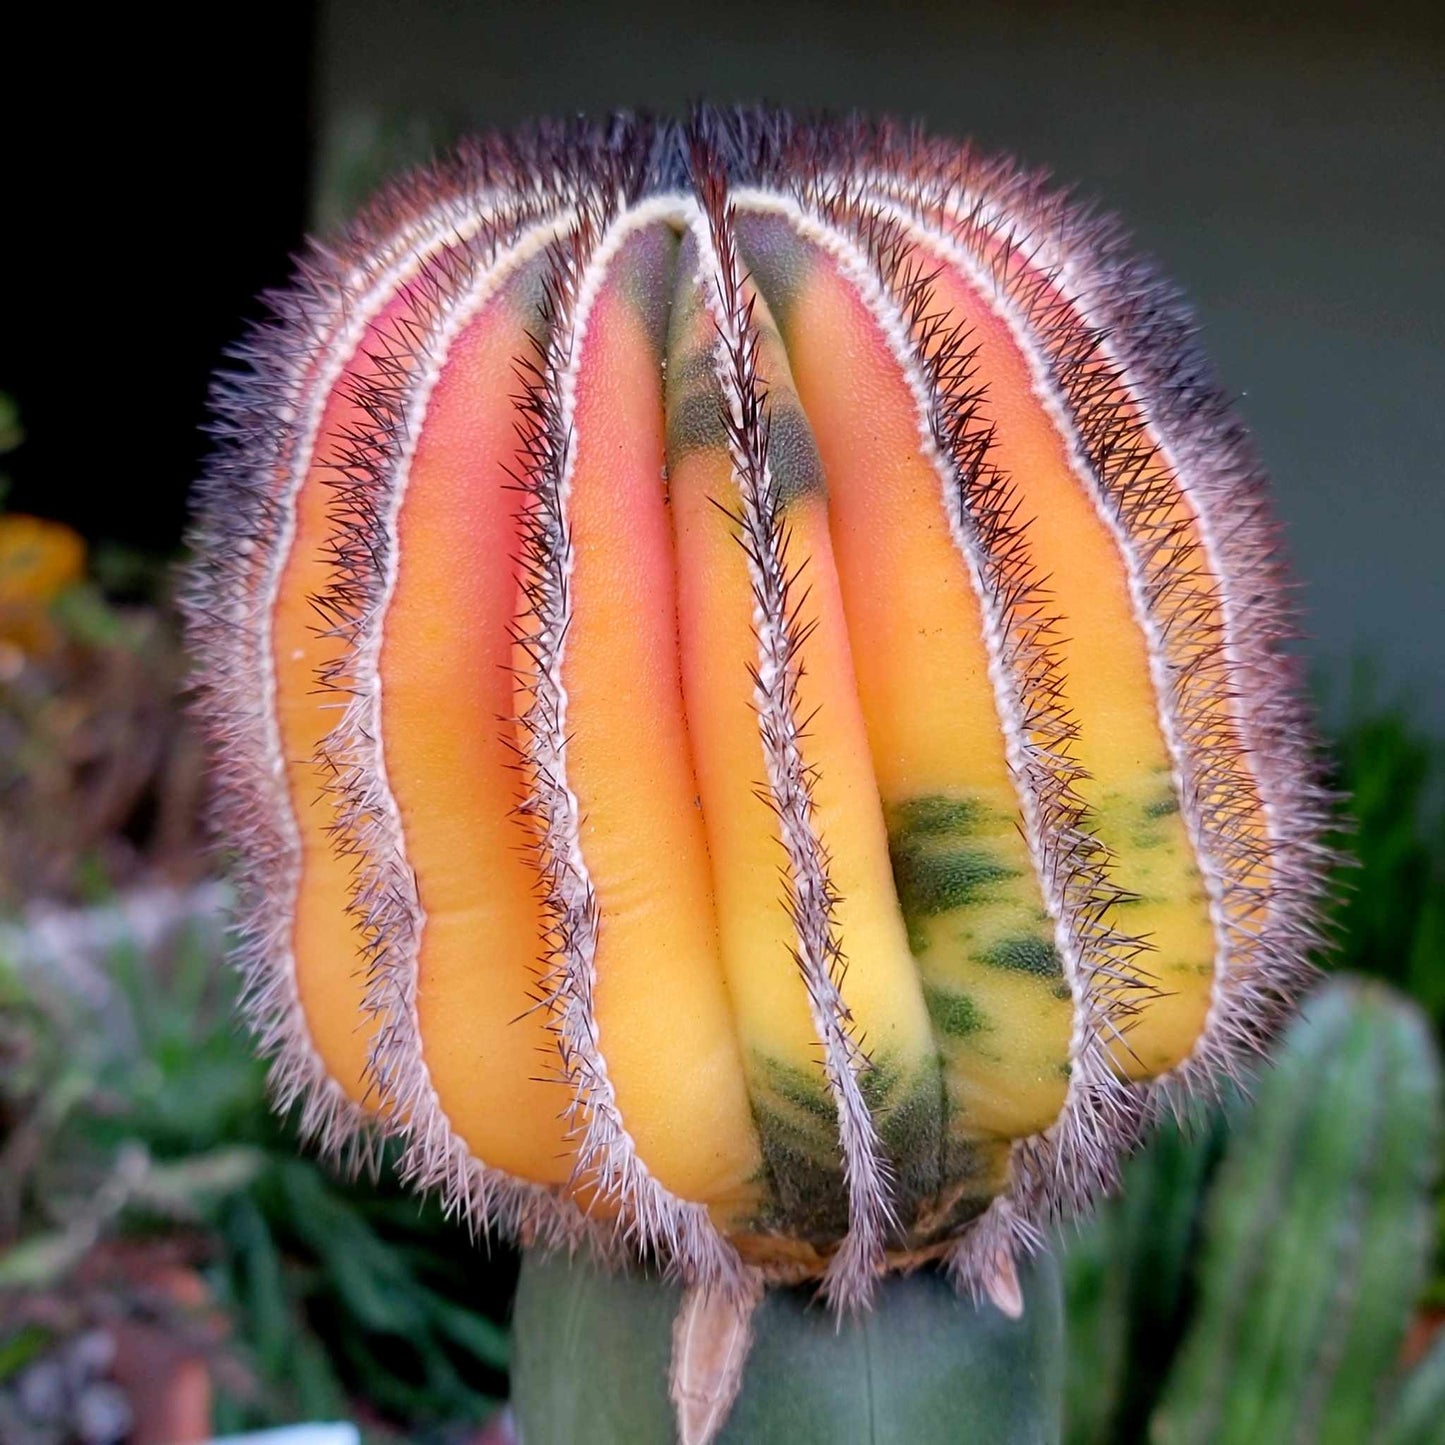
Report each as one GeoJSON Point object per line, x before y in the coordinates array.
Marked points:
{"type": "Point", "coordinates": [11, 432]}
{"type": "Point", "coordinates": [362, 146]}
{"type": "Point", "coordinates": [100, 775]}
{"type": "Point", "coordinates": [133, 1119]}
{"type": "Point", "coordinates": [147, 1194]}
{"type": "Point", "coordinates": [1261, 1288]}
{"type": "Point", "coordinates": [39, 561]}
{"type": "Point", "coordinates": [1390, 918]}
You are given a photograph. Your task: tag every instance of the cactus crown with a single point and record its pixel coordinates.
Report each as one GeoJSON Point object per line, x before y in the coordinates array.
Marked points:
{"type": "Point", "coordinates": [745, 664]}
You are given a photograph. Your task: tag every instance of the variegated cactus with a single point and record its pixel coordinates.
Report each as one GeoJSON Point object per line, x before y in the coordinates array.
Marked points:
{"type": "Point", "coordinates": [746, 664]}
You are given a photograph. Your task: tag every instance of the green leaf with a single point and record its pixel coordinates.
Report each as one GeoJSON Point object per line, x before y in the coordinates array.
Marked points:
{"type": "Point", "coordinates": [476, 1334]}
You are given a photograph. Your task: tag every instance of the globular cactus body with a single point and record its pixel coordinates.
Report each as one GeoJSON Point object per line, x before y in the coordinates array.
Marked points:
{"type": "Point", "coordinates": [746, 665]}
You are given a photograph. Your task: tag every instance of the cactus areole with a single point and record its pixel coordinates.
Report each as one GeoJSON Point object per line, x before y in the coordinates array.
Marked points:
{"type": "Point", "coordinates": [745, 663]}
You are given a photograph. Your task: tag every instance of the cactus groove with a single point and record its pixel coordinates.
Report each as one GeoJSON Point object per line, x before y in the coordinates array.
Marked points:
{"type": "Point", "coordinates": [746, 661]}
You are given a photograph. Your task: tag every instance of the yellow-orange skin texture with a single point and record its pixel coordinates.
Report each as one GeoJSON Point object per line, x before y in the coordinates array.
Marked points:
{"type": "Point", "coordinates": [555, 896]}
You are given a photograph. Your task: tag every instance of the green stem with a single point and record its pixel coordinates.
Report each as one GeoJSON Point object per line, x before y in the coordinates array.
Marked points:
{"type": "Point", "coordinates": [593, 1354]}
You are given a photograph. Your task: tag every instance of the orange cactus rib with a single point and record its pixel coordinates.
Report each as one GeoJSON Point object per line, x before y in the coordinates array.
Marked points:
{"type": "Point", "coordinates": [319, 960]}
{"type": "Point", "coordinates": [310, 643]}
{"type": "Point", "coordinates": [327, 948]}
{"type": "Point", "coordinates": [444, 693]}
{"type": "Point", "coordinates": [454, 951]}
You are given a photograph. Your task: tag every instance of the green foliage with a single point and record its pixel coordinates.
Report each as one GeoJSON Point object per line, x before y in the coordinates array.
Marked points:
{"type": "Point", "coordinates": [1262, 1293]}
{"type": "Point", "coordinates": [147, 1116]}
{"type": "Point", "coordinates": [1390, 917]}
{"type": "Point", "coordinates": [1130, 1281]}
{"type": "Point", "coordinates": [1316, 1237]}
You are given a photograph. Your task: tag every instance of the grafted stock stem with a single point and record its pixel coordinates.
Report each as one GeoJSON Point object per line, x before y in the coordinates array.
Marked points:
{"type": "Point", "coordinates": [596, 1359]}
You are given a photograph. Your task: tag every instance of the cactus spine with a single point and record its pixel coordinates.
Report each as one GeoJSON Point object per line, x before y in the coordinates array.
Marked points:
{"type": "Point", "coordinates": [745, 666]}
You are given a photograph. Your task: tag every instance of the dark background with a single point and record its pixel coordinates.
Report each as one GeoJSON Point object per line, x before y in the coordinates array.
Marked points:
{"type": "Point", "coordinates": [1285, 163]}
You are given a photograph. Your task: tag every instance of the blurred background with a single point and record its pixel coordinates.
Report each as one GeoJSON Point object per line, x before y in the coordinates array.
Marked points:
{"type": "Point", "coordinates": [1283, 163]}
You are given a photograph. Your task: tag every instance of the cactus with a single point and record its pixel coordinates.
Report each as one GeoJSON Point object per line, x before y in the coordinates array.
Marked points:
{"type": "Point", "coordinates": [745, 662]}
{"type": "Point", "coordinates": [1318, 1234]}
{"type": "Point", "coordinates": [917, 1366]}
{"type": "Point", "coordinates": [1128, 1279]}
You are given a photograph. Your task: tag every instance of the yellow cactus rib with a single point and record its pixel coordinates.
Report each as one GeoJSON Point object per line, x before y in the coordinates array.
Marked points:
{"type": "Point", "coordinates": [1172, 474]}
{"type": "Point", "coordinates": [677, 1073]}
{"type": "Point", "coordinates": [719, 651]}
{"type": "Point", "coordinates": [567, 474]}
{"type": "Point", "coordinates": [1108, 683]}
{"type": "Point", "coordinates": [880, 987]}
{"type": "Point", "coordinates": [847, 938]}
{"type": "Point", "coordinates": [1178, 579]}
{"type": "Point", "coordinates": [978, 925]}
